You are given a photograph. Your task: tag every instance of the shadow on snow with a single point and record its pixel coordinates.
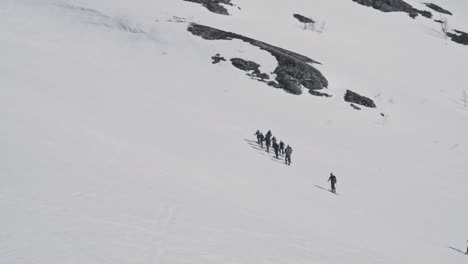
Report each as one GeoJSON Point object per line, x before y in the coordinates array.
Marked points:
{"type": "Point", "coordinates": [457, 250]}
{"type": "Point", "coordinates": [325, 189]}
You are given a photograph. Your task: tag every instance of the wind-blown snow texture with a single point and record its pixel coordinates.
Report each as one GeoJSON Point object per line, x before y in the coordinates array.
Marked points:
{"type": "Point", "coordinates": [122, 143]}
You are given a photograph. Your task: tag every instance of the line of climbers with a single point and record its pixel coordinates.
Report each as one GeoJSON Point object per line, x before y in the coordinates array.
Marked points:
{"type": "Point", "coordinates": [279, 149]}
{"type": "Point", "coordinates": [271, 141]}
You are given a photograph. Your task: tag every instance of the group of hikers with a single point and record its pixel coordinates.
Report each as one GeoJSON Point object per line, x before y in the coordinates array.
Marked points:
{"type": "Point", "coordinates": [278, 147]}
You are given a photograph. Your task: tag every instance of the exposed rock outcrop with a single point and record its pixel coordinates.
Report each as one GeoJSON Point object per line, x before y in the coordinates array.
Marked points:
{"type": "Point", "coordinates": [249, 66]}
{"type": "Point", "coordinates": [438, 8]}
{"type": "Point", "coordinates": [425, 13]}
{"type": "Point", "coordinates": [217, 58]}
{"type": "Point", "coordinates": [293, 71]}
{"type": "Point", "coordinates": [459, 37]}
{"type": "Point", "coordinates": [389, 5]}
{"type": "Point", "coordinates": [215, 6]}
{"type": "Point", "coordinates": [353, 97]}
{"type": "Point", "coordinates": [316, 93]}
{"type": "Point", "coordinates": [394, 6]}
{"type": "Point", "coordinates": [245, 65]}
{"type": "Point", "coordinates": [303, 19]}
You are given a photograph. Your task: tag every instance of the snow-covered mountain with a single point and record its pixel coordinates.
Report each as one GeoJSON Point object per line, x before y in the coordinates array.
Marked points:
{"type": "Point", "coordinates": [123, 142]}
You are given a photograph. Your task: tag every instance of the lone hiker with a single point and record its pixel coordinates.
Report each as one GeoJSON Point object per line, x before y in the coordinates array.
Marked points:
{"type": "Point", "coordinates": [466, 249]}
{"type": "Point", "coordinates": [258, 136]}
{"type": "Point", "coordinates": [332, 180]}
{"type": "Point", "coordinates": [268, 140]}
{"type": "Point", "coordinates": [288, 152]}
{"type": "Point", "coordinates": [281, 146]}
{"type": "Point", "coordinates": [276, 147]}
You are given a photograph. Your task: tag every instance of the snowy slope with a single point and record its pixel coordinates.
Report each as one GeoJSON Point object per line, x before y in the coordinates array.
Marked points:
{"type": "Point", "coordinates": [122, 143]}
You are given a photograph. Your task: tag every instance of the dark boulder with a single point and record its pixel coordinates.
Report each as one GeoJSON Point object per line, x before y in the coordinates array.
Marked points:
{"type": "Point", "coordinates": [438, 8]}
{"type": "Point", "coordinates": [388, 5]}
{"type": "Point", "coordinates": [394, 6]}
{"type": "Point", "coordinates": [250, 66]}
{"type": "Point", "coordinates": [353, 97]}
{"type": "Point", "coordinates": [425, 13]}
{"type": "Point", "coordinates": [293, 70]}
{"type": "Point", "coordinates": [289, 84]}
{"type": "Point", "coordinates": [459, 37]}
{"type": "Point", "coordinates": [262, 75]}
{"type": "Point", "coordinates": [303, 19]}
{"type": "Point", "coordinates": [274, 84]}
{"type": "Point", "coordinates": [316, 93]}
{"type": "Point", "coordinates": [217, 58]}
{"type": "Point", "coordinates": [245, 65]}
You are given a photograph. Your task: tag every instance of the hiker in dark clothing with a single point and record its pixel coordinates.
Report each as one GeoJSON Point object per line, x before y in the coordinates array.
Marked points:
{"type": "Point", "coordinates": [258, 136]}
{"type": "Point", "coordinates": [288, 153]}
{"type": "Point", "coordinates": [268, 140]}
{"type": "Point", "coordinates": [276, 147]}
{"type": "Point", "coordinates": [467, 249]}
{"type": "Point", "coordinates": [268, 143]}
{"type": "Point", "coordinates": [281, 147]}
{"type": "Point", "coordinates": [332, 180]}
{"type": "Point", "coordinates": [261, 138]}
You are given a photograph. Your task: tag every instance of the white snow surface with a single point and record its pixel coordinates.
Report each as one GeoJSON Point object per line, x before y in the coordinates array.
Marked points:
{"type": "Point", "coordinates": [121, 143]}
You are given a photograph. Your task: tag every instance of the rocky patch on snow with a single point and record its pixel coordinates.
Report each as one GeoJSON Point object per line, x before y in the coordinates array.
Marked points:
{"type": "Point", "coordinates": [215, 6]}
{"type": "Point", "coordinates": [294, 71]}
{"type": "Point", "coordinates": [425, 13]}
{"type": "Point", "coordinates": [303, 19]}
{"type": "Point", "coordinates": [401, 6]}
{"type": "Point", "coordinates": [459, 37]}
{"type": "Point", "coordinates": [438, 8]}
{"type": "Point", "coordinates": [317, 93]}
{"type": "Point", "coordinates": [355, 98]}
{"type": "Point", "coordinates": [217, 59]}
{"type": "Point", "coordinates": [394, 6]}
{"type": "Point", "coordinates": [250, 66]}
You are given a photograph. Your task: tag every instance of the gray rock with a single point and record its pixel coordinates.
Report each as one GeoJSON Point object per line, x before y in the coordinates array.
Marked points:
{"type": "Point", "coordinates": [274, 84]}
{"type": "Point", "coordinates": [217, 58]}
{"type": "Point", "coordinates": [289, 84]}
{"type": "Point", "coordinates": [438, 8]}
{"type": "Point", "coordinates": [293, 71]}
{"type": "Point", "coordinates": [387, 5]}
{"type": "Point", "coordinates": [245, 65]}
{"type": "Point", "coordinates": [425, 13]}
{"type": "Point", "coordinates": [250, 66]}
{"type": "Point", "coordinates": [459, 37]}
{"type": "Point", "coordinates": [316, 93]}
{"type": "Point", "coordinates": [353, 97]}
{"type": "Point", "coordinates": [214, 6]}
{"type": "Point", "coordinates": [394, 6]}
{"type": "Point", "coordinates": [262, 76]}
{"type": "Point", "coordinates": [303, 19]}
